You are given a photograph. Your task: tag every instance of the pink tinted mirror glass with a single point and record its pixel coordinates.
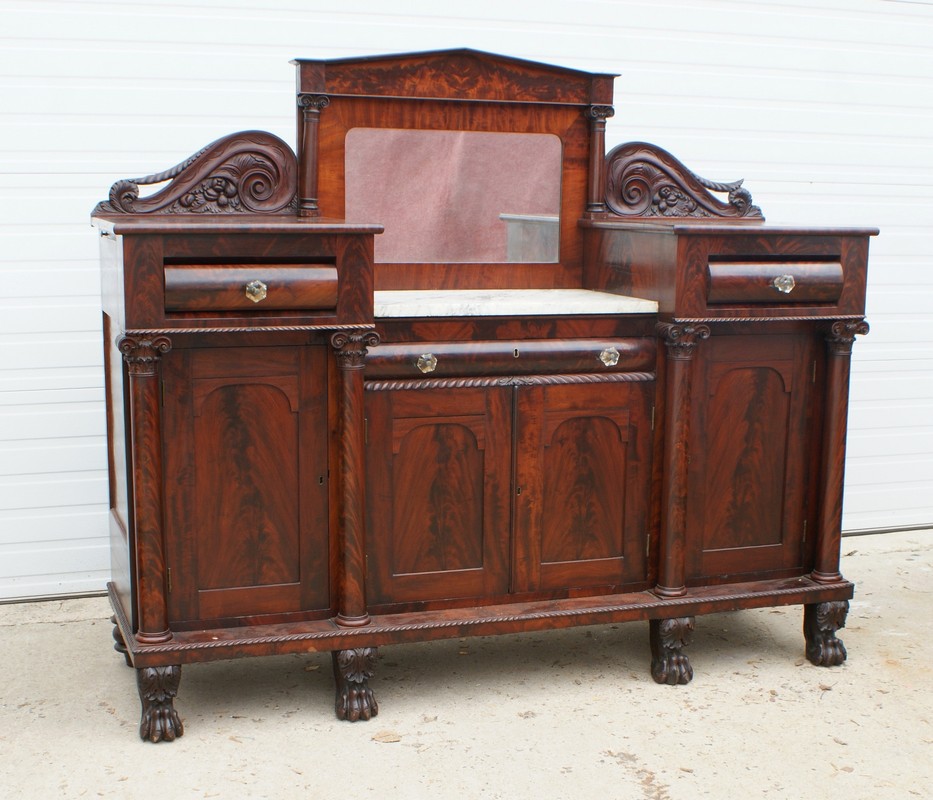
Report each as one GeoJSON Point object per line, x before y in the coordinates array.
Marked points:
{"type": "Point", "coordinates": [456, 196]}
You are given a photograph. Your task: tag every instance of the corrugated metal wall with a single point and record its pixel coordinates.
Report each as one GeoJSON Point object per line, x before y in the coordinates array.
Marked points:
{"type": "Point", "coordinates": [825, 108]}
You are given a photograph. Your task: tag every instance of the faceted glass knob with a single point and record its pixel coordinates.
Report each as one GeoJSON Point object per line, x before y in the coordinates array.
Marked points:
{"type": "Point", "coordinates": [427, 362]}
{"type": "Point", "coordinates": [784, 283]}
{"type": "Point", "coordinates": [256, 291]}
{"type": "Point", "coordinates": [609, 356]}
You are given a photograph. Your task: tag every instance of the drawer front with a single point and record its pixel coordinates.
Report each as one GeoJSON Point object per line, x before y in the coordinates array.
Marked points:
{"type": "Point", "coordinates": [516, 357]}
{"type": "Point", "coordinates": [774, 283]}
{"type": "Point", "coordinates": [250, 287]}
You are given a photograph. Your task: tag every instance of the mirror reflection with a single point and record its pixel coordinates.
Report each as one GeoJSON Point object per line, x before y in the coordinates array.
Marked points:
{"type": "Point", "coordinates": [456, 196]}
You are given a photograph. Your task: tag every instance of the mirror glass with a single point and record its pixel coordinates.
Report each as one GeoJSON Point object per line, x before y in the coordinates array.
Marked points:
{"type": "Point", "coordinates": [456, 196]}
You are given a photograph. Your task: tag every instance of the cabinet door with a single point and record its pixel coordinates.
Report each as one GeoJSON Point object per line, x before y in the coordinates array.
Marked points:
{"type": "Point", "coordinates": [750, 450]}
{"type": "Point", "coordinates": [245, 463]}
{"type": "Point", "coordinates": [582, 475]}
{"type": "Point", "coordinates": [437, 478]}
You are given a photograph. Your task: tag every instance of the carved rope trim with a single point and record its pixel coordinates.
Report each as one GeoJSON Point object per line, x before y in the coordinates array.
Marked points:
{"type": "Point", "coordinates": [766, 319]}
{"type": "Point", "coordinates": [247, 172]}
{"type": "Point", "coordinates": [376, 628]}
{"type": "Point", "coordinates": [506, 380]}
{"type": "Point", "coordinates": [252, 329]}
{"type": "Point", "coordinates": [644, 180]}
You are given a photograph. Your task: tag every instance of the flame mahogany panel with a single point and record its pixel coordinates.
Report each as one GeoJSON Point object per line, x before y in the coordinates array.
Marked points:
{"type": "Point", "coordinates": [246, 524]}
{"type": "Point", "coordinates": [438, 486]}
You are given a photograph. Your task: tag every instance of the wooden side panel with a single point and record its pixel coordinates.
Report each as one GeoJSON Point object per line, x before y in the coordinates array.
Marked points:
{"type": "Point", "coordinates": [437, 493]}
{"type": "Point", "coordinates": [247, 512]}
{"type": "Point", "coordinates": [581, 496]}
{"type": "Point", "coordinates": [122, 566]}
{"type": "Point", "coordinates": [749, 455]}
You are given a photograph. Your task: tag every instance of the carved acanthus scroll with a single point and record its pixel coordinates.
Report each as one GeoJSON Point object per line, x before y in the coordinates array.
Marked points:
{"type": "Point", "coordinates": [643, 180]}
{"type": "Point", "coordinates": [248, 172]}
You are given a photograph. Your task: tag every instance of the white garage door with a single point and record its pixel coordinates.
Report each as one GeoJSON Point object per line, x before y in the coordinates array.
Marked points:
{"type": "Point", "coordinates": [826, 108]}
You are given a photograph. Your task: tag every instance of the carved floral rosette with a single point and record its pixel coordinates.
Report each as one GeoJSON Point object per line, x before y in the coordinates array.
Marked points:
{"type": "Point", "coordinates": [643, 180]}
{"type": "Point", "coordinates": [248, 172]}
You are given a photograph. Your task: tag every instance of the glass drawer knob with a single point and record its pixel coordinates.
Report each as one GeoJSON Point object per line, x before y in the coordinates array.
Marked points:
{"type": "Point", "coordinates": [427, 362]}
{"type": "Point", "coordinates": [784, 283]}
{"type": "Point", "coordinates": [256, 291]}
{"type": "Point", "coordinates": [609, 356]}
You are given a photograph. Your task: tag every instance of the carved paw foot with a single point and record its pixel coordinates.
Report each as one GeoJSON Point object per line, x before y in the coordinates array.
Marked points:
{"type": "Point", "coordinates": [669, 664]}
{"type": "Point", "coordinates": [352, 670]}
{"type": "Point", "coordinates": [119, 643]}
{"type": "Point", "coordinates": [157, 689]}
{"type": "Point", "coordinates": [820, 623]}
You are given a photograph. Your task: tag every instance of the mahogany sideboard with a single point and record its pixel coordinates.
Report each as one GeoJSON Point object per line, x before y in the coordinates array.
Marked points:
{"type": "Point", "coordinates": [454, 370]}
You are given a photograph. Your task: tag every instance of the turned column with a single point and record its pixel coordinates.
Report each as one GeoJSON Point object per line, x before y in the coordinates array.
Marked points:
{"type": "Point", "coordinates": [681, 342]}
{"type": "Point", "coordinates": [142, 356]}
{"type": "Point", "coordinates": [597, 115]}
{"type": "Point", "coordinates": [350, 349]}
{"type": "Point", "coordinates": [311, 106]}
{"type": "Point", "coordinates": [829, 525]}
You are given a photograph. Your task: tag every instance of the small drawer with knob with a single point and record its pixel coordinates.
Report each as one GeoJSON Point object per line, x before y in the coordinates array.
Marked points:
{"type": "Point", "coordinates": [253, 288]}
{"type": "Point", "coordinates": [749, 282]}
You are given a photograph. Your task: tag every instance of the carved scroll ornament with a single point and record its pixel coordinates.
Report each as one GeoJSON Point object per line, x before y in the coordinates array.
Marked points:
{"type": "Point", "coordinates": [248, 172]}
{"type": "Point", "coordinates": [643, 180]}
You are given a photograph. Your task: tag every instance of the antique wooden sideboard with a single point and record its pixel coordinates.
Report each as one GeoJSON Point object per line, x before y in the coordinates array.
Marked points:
{"type": "Point", "coordinates": [453, 370]}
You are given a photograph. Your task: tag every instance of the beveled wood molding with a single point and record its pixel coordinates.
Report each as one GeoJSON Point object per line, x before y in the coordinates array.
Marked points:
{"type": "Point", "coordinates": [644, 180]}
{"type": "Point", "coordinates": [251, 172]}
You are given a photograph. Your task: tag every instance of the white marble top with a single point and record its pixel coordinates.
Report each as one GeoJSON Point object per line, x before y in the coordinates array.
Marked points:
{"type": "Point", "coordinates": [506, 303]}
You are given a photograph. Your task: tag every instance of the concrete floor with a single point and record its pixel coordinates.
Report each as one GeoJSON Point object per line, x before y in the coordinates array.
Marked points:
{"type": "Point", "coordinates": [565, 714]}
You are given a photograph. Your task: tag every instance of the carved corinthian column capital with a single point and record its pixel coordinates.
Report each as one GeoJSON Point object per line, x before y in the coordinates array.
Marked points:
{"type": "Point", "coordinates": [143, 354]}
{"type": "Point", "coordinates": [351, 347]}
{"type": "Point", "coordinates": [842, 334]}
{"type": "Point", "coordinates": [681, 339]}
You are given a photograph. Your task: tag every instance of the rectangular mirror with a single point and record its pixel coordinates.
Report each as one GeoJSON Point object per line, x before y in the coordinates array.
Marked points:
{"type": "Point", "coordinates": [456, 196]}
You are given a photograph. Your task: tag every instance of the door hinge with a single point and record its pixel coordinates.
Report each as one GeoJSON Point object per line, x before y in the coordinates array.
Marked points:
{"type": "Point", "coordinates": [813, 377]}
{"type": "Point", "coordinates": [168, 578]}
{"type": "Point", "coordinates": [805, 530]}
{"type": "Point", "coordinates": [652, 417]}
{"type": "Point", "coordinates": [365, 430]}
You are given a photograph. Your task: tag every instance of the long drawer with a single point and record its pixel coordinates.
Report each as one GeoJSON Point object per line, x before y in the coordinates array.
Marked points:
{"type": "Point", "coordinates": [515, 357]}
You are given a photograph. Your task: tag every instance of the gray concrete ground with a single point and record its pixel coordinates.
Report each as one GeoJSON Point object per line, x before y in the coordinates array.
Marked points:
{"type": "Point", "coordinates": [565, 714]}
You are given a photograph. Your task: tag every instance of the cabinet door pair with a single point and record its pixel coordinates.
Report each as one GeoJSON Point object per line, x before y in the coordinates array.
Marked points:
{"type": "Point", "coordinates": [485, 492]}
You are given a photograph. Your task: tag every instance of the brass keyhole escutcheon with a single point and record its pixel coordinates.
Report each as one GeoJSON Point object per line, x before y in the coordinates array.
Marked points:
{"type": "Point", "coordinates": [256, 290]}
{"type": "Point", "coordinates": [784, 283]}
